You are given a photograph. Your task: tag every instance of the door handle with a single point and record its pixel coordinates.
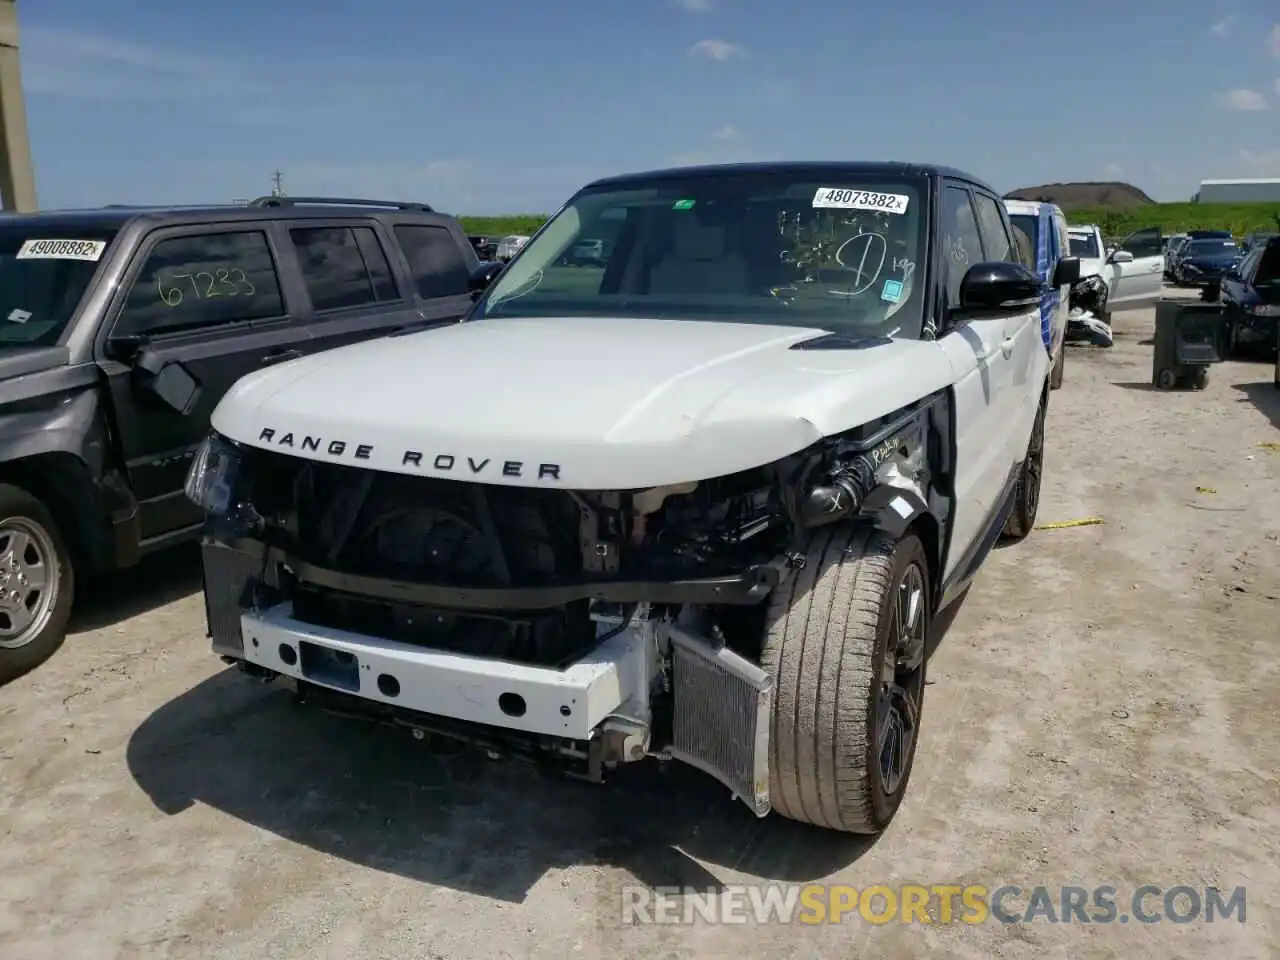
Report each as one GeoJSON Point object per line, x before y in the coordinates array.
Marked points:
{"type": "Point", "coordinates": [280, 356]}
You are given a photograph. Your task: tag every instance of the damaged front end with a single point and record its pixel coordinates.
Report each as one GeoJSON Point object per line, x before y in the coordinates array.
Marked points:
{"type": "Point", "coordinates": [1087, 307]}
{"type": "Point", "coordinates": [588, 627]}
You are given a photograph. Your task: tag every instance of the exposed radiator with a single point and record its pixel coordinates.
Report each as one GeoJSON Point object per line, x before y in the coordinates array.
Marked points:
{"type": "Point", "coordinates": [721, 716]}
{"type": "Point", "coordinates": [226, 572]}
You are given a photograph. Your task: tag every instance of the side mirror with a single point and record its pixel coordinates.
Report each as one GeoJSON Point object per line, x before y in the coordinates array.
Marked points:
{"type": "Point", "coordinates": [125, 347]}
{"type": "Point", "coordinates": [482, 276]}
{"type": "Point", "coordinates": [1120, 256]}
{"type": "Point", "coordinates": [167, 380]}
{"type": "Point", "coordinates": [1067, 272]}
{"type": "Point", "coordinates": [992, 289]}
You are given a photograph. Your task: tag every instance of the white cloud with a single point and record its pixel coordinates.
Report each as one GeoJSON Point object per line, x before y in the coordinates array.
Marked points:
{"type": "Point", "coordinates": [1274, 41]}
{"type": "Point", "coordinates": [1113, 171]}
{"type": "Point", "coordinates": [81, 66]}
{"type": "Point", "coordinates": [1243, 99]}
{"type": "Point", "coordinates": [695, 6]}
{"type": "Point", "coordinates": [1223, 27]}
{"type": "Point", "coordinates": [1260, 163]}
{"type": "Point", "coordinates": [727, 132]}
{"type": "Point", "coordinates": [719, 50]}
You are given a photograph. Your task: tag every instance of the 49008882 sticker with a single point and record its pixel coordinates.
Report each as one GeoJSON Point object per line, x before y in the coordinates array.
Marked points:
{"type": "Point", "coordinates": [845, 198]}
{"type": "Point", "coordinates": [62, 250]}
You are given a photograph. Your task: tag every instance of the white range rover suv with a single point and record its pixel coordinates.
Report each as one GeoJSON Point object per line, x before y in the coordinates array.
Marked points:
{"type": "Point", "coordinates": [703, 500]}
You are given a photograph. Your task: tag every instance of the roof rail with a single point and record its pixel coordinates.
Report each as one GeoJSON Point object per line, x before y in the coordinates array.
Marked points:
{"type": "Point", "coordinates": [337, 202]}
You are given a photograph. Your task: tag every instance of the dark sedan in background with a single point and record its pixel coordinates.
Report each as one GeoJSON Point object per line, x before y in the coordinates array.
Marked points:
{"type": "Point", "coordinates": [1202, 263]}
{"type": "Point", "coordinates": [1250, 295]}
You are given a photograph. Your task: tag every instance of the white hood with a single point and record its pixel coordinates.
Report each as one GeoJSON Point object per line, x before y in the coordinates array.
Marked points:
{"type": "Point", "coordinates": [579, 403]}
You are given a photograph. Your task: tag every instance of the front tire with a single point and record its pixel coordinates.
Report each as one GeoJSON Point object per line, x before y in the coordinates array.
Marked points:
{"type": "Point", "coordinates": [1026, 492]}
{"type": "Point", "coordinates": [37, 583]}
{"type": "Point", "coordinates": [845, 643]}
{"type": "Point", "coordinates": [1059, 368]}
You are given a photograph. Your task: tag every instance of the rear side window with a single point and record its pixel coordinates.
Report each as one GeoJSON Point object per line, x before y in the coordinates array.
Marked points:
{"type": "Point", "coordinates": [438, 266]}
{"type": "Point", "coordinates": [205, 280]}
{"type": "Point", "coordinates": [343, 267]}
{"type": "Point", "coordinates": [995, 239]}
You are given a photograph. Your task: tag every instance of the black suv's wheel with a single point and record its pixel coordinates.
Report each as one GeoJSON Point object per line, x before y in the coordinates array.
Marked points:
{"type": "Point", "coordinates": [37, 583]}
{"type": "Point", "coordinates": [845, 643]}
{"type": "Point", "coordinates": [1026, 492]}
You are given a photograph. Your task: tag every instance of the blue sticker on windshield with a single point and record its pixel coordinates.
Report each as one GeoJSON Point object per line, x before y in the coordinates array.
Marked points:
{"type": "Point", "coordinates": [892, 291]}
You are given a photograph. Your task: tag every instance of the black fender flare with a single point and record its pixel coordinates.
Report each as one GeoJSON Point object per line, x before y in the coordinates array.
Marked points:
{"type": "Point", "coordinates": [893, 509]}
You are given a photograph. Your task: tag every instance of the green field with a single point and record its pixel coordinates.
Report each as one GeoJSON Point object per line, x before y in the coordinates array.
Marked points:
{"type": "Point", "coordinates": [522, 224]}
{"type": "Point", "coordinates": [1239, 218]}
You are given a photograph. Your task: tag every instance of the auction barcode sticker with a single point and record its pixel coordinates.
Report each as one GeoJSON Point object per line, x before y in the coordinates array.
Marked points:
{"type": "Point", "coordinates": [62, 250]}
{"type": "Point", "coordinates": [842, 198]}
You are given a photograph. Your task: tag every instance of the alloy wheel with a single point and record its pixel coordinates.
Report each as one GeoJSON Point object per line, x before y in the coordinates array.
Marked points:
{"type": "Point", "coordinates": [28, 580]}
{"type": "Point", "coordinates": [901, 685]}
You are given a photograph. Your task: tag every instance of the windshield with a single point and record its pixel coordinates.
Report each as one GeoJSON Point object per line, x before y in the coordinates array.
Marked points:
{"type": "Point", "coordinates": [837, 254]}
{"type": "Point", "coordinates": [1085, 245]}
{"type": "Point", "coordinates": [1210, 248]}
{"type": "Point", "coordinates": [43, 275]}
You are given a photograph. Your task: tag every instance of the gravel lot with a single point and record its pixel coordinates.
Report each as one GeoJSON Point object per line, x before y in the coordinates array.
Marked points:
{"type": "Point", "coordinates": [1102, 711]}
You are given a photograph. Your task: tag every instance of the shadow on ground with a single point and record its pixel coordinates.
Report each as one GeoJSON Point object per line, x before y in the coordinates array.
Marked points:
{"type": "Point", "coordinates": [1264, 395]}
{"type": "Point", "coordinates": [114, 598]}
{"type": "Point", "coordinates": [1134, 385]}
{"type": "Point", "coordinates": [373, 796]}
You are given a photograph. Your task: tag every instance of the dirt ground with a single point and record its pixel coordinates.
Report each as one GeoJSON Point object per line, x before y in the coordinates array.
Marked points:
{"type": "Point", "coordinates": [1102, 711]}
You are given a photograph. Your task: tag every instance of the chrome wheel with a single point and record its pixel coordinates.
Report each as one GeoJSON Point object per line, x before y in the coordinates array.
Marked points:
{"type": "Point", "coordinates": [28, 580]}
{"type": "Point", "coordinates": [902, 680]}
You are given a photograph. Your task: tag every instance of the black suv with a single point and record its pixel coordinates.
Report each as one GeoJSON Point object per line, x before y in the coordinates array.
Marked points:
{"type": "Point", "coordinates": [120, 330]}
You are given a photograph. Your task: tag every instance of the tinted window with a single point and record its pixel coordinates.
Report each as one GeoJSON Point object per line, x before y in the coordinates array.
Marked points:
{"type": "Point", "coordinates": [438, 266]}
{"type": "Point", "coordinates": [1085, 245]}
{"type": "Point", "coordinates": [43, 276]}
{"type": "Point", "coordinates": [1144, 243]}
{"type": "Point", "coordinates": [1249, 262]}
{"type": "Point", "coordinates": [203, 281]}
{"type": "Point", "coordinates": [1026, 232]}
{"type": "Point", "coordinates": [1211, 248]}
{"type": "Point", "coordinates": [838, 253]}
{"type": "Point", "coordinates": [1267, 270]}
{"type": "Point", "coordinates": [995, 239]}
{"type": "Point", "coordinates": [961, 243]}
{"type": "Point", "coordinates": [343, 266]}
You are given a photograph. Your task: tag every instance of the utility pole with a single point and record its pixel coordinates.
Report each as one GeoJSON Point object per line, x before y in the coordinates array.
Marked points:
{"type": "Point", "coordinates": [277, 184]}
{"type": "Point", "coordinates": [17, 181]}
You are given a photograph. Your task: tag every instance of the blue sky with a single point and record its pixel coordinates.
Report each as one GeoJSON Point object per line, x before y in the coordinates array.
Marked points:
{"type": "Point", "coordinates": [507, 106]}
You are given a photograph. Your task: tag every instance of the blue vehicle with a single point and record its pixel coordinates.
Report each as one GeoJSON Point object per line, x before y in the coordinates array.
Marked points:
{"type": "Point", "coordinates": [1043, 235]}
{"type": "Point", "coordinates": [1203, 262]}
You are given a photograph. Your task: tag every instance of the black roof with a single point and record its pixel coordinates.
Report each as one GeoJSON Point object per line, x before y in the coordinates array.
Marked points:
{"type": "Point", "coordinates": [818, 169]}
{"type": "Point", "coordinates": [118, 215]}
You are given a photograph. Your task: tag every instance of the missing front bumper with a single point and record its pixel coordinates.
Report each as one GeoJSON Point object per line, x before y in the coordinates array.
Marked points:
{"type": "Point", "coordinates": [720, 704]}
{"type": "Point", "coordinates": [570, 703]}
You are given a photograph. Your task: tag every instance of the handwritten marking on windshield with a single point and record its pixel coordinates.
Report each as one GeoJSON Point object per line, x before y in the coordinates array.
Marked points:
{"type": "Point", "coordinates": [874, 249]}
